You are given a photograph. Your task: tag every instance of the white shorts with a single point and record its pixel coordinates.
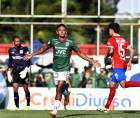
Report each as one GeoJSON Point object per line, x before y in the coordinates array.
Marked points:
{"type": "Point", "coordinates": [61, 76]}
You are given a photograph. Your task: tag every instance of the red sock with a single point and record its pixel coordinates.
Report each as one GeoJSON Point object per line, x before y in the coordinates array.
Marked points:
{"type": "Point", "coordinates": [110, 97]}
{"type": "Point", "coordinates": [132, 84]}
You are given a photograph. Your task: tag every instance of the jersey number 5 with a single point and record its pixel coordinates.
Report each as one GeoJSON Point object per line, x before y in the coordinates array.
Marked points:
{"type": "Point", "coordinates": [121, 50]}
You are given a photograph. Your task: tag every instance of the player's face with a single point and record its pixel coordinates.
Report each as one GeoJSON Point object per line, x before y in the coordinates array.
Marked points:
{"type": "Point", "coordinates": [111, 32]}
{"type": "Point", "coordinates": [62, 32]}
{"type": "Point", "coordinates": [16, 42]}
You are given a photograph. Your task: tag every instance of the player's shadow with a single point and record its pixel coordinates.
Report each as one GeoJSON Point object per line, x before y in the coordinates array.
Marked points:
{"type": "Point", "coordinates": [86, 114]}
{"type": "Point", "coordinates": [131, 111]}
{"type": "Point", "coordinates": [70, 115]}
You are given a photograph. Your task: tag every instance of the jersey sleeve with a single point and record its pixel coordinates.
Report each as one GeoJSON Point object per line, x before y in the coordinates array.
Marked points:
{"type": "Point", "coordinates": [74, 46]}
{"type": "Point", "coordinates": [50, 43]}
{"type": "Point", "coordinates": [10, 60]}
{"type": "Point", "coordinates": [110, 43]}
{"type": "Point", "coordinates": [26, 50]}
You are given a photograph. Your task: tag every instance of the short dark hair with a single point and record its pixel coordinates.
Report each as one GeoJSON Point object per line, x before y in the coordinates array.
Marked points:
{"type": "Point", "coordinates": [115, 27]}
{"type": "Point", "coordinates": [14, 37]}
{"type": "Point", "coordinates": [61, 25]}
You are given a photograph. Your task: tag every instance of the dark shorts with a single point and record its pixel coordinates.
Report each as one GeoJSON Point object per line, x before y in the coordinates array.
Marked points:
{"type": "Point", "coordinates": [17, 79]}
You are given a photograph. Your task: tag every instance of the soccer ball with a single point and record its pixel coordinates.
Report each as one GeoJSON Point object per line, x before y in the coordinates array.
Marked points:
{"type": "Point", "coordinates": [3, 91]}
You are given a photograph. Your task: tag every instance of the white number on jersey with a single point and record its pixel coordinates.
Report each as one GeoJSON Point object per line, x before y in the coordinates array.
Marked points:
{"type": "Point", "coordinates": [121, 50]}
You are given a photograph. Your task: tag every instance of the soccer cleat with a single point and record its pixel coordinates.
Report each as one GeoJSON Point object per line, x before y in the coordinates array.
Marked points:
{"type": "Point", "coordinates": [105, 110]}
{"type": "Point", "coordinates": [53, 114]}
{"type": "Point", "coordinates": [66, 99]}
{"type": "Point", "coordinates": [15, 109]}
{"type": "Point", "coordinates": [26, 108]}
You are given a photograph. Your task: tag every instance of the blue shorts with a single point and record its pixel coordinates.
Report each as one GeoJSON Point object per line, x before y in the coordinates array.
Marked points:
{"type": "Point", "coordinates": [118, 75]}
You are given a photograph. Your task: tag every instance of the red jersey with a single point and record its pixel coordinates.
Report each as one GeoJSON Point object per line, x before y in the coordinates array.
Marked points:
{"type": "Point", "coordinates": [119, 45]}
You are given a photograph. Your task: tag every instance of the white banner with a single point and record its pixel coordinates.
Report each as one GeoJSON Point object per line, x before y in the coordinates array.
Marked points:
{"type": "Point", "coordinates": [80, 99]}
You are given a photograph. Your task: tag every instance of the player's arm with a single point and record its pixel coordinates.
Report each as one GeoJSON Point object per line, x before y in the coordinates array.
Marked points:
{"type": "Point", "coordinates": [40, 51]}
{"type": "Point", "coordinates": [109, 52]}
{"type": "Point", "coordinates": [10, 61]}
{"type": "Point", "coordinates": [10, 66]}
{"type": "Point", "coordinates": [83, 56]}
{"type": "Point", "coordinates": [26, 52]}
{"type": "Point", "coordinates": [131, 52]}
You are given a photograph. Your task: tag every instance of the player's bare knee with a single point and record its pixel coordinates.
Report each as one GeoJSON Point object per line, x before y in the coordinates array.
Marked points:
{"type": "Point", "coordinates": [112, 85]}
{"type": "Point", "coordinates": [123, 85]}
{"type": "Point", "coordinates": [26, 89]}
{"type": "Point", "coordinates": [15, 88]}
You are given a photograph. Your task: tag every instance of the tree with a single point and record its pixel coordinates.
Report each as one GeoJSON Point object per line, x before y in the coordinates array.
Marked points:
{"type": "Point", "coordinates": [86, 34]}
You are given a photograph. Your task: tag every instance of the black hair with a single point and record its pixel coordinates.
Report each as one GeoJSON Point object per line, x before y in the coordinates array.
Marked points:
{"type": "Point", "coordinates": [115, 27]}
{"type": "Point", "coordinates": [14, 37]}
{"type": "Point", "coordinates": [61, 25]}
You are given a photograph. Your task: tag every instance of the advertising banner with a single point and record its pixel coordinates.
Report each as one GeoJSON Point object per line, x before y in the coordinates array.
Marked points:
{"type": "Point", "coordinates": [80, 99]}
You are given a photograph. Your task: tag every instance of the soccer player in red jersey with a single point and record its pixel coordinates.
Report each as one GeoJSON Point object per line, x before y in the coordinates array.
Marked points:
{"type": "Point", "coordinates": [117, 46]}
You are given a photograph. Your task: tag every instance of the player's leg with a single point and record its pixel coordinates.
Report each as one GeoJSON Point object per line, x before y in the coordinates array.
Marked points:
{"type": "Point", "coordinates": [65, 90]}
{"type": "Point", "coordinates": [16, 95]}
{"type": "Point", "coordinates": [127, 84]}
{"type": "Point", "coordinates": [110, 98]}
{"type": "Point", "coordinates": [59, 88]}
{"type": "Point", "coordinates": [15, 83]}
{"type": "Point", "coordinates": [113, 85]}
{"type": "Point", "coordinates": [58, 97]}
{"type": "Point", "coordinates": [27, 94]}
{"type": "Point", "coordinates": [66, 93]}
{"type": "Point", "coordinates": [111, 94]}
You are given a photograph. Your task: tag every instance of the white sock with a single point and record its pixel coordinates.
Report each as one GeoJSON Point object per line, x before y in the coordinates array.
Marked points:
{"type": "Point", "coordinates": [57, 105]}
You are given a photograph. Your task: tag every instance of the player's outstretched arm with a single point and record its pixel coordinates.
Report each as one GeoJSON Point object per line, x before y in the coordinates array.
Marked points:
{"type": "Point", "coordinates": [131, 51]}
{"type": "Point", "coordinates": [91, 61]}
{"type": "Point", "coordinates": [40, 51]}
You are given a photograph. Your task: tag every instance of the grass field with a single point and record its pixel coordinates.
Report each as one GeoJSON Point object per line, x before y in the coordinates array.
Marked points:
{"type": "Point", "coordinates": [69, 114]}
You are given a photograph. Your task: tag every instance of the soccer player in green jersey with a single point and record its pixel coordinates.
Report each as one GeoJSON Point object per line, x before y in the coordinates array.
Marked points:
{"type": "Point", "coordinates": [62, 48]}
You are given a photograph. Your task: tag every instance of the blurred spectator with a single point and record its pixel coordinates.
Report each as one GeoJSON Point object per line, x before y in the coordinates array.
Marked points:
{"type": "Point", "coordinates": [39, 81]}
{"type": "Point", "coordinates": [76, 78]}
{"type": "Point", "coordinates": [49, 78]}
{"type": "Point", "coordinates": [89, 83]}
{"type": "Point", "coordinates": [103, 79]}
{"type": "Point", "coordinates": [86, 76]}
{"type": "Point", "coordinates": [94, 77]}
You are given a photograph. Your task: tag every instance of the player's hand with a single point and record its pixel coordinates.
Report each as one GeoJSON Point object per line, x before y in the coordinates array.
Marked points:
{"type": "Point", "coordinates": [129, 66]}
{"type": "Point", "coordinates": [28, 57]}
{"type": "Point", "coordinates": [96, 63]}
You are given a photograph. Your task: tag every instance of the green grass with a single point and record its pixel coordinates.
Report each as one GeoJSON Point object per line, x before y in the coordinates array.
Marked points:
{"type": "Point", "coordinates": [69, 114]}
